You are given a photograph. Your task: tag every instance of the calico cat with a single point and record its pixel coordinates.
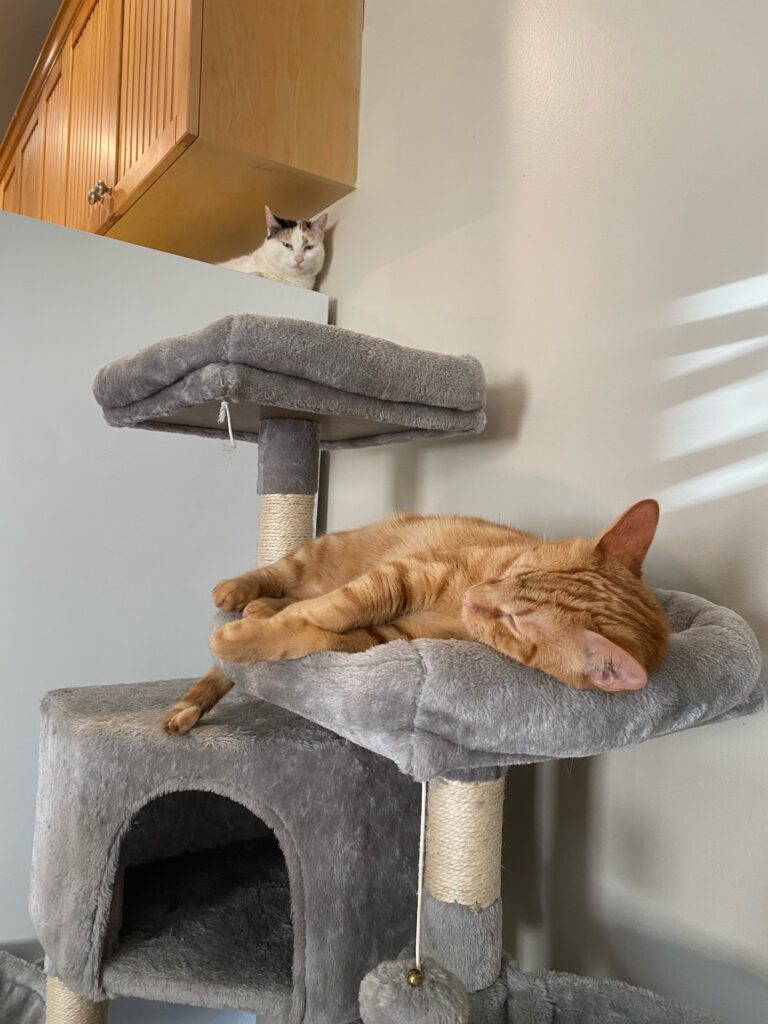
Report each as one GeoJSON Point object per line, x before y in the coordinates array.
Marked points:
{"type": "Point", "coordinates": [293, 251]}
{"type": "Point", "coordinates": [576, 609]}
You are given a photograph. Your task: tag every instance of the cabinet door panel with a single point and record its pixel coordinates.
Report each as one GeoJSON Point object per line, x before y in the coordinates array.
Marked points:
{"type": "Point", "coordinates": [94, 92]}
{"type": "Point", "coordinates": [9, 188]}
{"type": "Point", "coordinates": [55, 118]}
{"type": "Point", "coordinates": [30, 167]}
{"type": "Point", "coordinates": [158, 90]}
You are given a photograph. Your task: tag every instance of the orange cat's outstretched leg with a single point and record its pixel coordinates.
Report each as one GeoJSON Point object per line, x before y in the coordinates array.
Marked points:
{"type": "Point", "coordinates": [208, 691]}
{"type": "Point", "coordinates": [204, 695]}
{"type": "Point", "coordinates": [271, 640]}
{"type": "Point", "coordinates": [350, 618]}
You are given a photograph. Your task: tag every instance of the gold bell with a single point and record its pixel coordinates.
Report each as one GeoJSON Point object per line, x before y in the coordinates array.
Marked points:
{"type": "Point", "coordinates": [415, 977]}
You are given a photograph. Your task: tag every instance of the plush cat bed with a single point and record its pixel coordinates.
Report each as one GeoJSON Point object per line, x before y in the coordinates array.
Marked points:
{"type": "Point", "coordinates": [433, 706]}
{"type": "Point", "coordinates": [22, 991]}
{"type": "Point", "coordinates": [516, 997]}
{"type": "Point", "coordinates": [364, 391]}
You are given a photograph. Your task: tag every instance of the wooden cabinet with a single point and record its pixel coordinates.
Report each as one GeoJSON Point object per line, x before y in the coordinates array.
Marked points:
{"type": "Point", "coordinates": [55, 117]}
{"type": "Point", "coordinates": [9, 188]}
{"type": "Point", "coordinates": [94, 43]}
{"type": "Point", "coordinates": [193, 115]}
{"type": "Point", "coordinates": [29, 167]}
{"type": "Point", "coordinates": [158, 90]}
{"type": "Point", "coordinates": [21, 183]}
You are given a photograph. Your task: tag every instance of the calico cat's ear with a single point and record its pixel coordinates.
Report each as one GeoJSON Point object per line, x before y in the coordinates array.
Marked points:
{"type": "Point", "coordinates": [319, 223]}
{"type": "Point", "coordinates": [629, 538]}
{"type": "Point", "coordinates": [273, 224]}
{"type": "Point", "coordinates": [606, 665]}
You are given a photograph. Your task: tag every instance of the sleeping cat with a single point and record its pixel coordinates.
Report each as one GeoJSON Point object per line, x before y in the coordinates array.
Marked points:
{"type": "Point", "coordinates": [292, 252]}
{"type": "Point", "coordinates": [576, 609]}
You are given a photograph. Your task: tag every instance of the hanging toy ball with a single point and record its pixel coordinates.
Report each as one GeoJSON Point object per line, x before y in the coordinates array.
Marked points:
{"type": "Point", "coordinates": [398, 992]}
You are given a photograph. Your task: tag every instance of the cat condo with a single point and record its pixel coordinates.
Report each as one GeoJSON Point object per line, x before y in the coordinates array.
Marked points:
{"type": "Point", "coordinates": [267, 861]}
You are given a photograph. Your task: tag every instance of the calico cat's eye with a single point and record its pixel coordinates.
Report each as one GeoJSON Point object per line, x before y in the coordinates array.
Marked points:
{"type": "Point", "coordinates": [308, 247]}
{"type": "Point", "coordinates": [287, 245]}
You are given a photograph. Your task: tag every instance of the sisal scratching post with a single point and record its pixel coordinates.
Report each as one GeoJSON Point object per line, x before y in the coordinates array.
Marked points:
{"type": "Point", "coordinates": [289, 460]}
{"type": "Point", "coordinates": [462, 875]}
{"type": "Point", "coordinates": [63, 1006]}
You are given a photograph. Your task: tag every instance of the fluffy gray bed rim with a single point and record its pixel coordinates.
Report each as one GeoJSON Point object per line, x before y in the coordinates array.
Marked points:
{"type": "Point", "coordinates": [433, 706]}
{"type": "Point", "coordinates": [364, 390]}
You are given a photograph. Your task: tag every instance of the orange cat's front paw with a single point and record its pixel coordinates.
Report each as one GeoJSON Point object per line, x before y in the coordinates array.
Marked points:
{"type": "Point", "coordinates": [234, 595]}
{"type": "Point", "coordinates": [241, 642]}
{"type": "Point", "coordinates": [265, 607]}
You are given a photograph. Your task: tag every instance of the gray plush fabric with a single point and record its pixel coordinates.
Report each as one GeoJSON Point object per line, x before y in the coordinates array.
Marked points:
{"type": "Point", "coordinates": [138, 888]}
{"type": "Point", "coordinates": [387, 998]}
{"type": "Point", "coordinates": [436, 705]}
{"type": "Point", "coordinates": [489, 1005]}
{"type": "Point", "coordinates": [309, 368]}
{"type": "Point", "coordinates": [22, 991]}
{"type": "Point", "coordinates": [468, 942]}
{"type": "Point", "coordinates": [548, 998]}
{"type": "Point", "coordinates": [517, 997]}
{"type": "Point", "coordinates": [289, 456]}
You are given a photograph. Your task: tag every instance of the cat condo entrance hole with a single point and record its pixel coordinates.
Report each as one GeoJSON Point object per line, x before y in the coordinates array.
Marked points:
{"type": "Point", "coordinates": [203, 893]}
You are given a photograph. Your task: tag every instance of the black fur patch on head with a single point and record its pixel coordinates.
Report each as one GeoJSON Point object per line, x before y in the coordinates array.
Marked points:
{"type": "Point", "coordinates": [284, 223]}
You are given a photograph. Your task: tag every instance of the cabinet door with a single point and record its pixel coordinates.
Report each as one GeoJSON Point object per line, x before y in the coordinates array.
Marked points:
{"type": "Point", "coordinates": [9, 187]}
{"type": "Point", "coordinates": [94, 96]}
{"type": "Point", "coordinates": [55, 118]}
{"type": "Point", "coordinates": [29, 167]}
{"type": "Point", "coordinates": [159, 90]}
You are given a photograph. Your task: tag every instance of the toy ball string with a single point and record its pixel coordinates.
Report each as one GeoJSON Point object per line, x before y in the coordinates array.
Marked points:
{"type": "Point", "coordinates": [224, 415]}
{"type": "Point", "coordinates": [415, 975]}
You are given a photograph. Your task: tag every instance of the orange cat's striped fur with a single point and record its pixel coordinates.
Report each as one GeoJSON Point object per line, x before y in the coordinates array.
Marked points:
{"type": "Point", "coordinates": [576, 609]}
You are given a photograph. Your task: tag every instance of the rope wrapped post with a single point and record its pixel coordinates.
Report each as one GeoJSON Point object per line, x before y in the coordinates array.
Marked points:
{"type": "Point", "coordinates": [289, 459]}
{"type": "Point", "coordinates": [462, 910]}
{"type": "Point", "coordinates": [63, 1006]}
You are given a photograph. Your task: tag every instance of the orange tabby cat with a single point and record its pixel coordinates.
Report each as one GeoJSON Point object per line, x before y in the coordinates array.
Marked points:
{"type": "Point", "coordinates": [576, 609]}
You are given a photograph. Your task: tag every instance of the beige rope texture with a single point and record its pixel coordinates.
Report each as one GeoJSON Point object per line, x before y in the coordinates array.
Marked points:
{"type": "Point", "coordinates": [65, 1007]}
{"type": "Point", "coordinates": [464, 842]}
{"type": "Point", "coordinates": [286, 521]}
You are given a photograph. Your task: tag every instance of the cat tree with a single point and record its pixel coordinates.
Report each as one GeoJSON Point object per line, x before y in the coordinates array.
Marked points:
{"type": "Point", "coordinates": [267, 860]}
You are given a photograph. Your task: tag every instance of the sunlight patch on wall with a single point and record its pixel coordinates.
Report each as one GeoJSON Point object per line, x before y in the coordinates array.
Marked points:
{"type": "Point", "coordinates": [720, 426]}
{"type": "Point", "coordinates": [745, 475]}
{"type": "Point", "coordinates": [703, 359]}
{"type": "Point", "coordinates": [728, 298]}
{"type": "Point", "coordinates": [726, 414]}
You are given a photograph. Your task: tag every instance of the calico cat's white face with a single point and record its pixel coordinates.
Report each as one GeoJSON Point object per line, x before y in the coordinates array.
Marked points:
{"type": "Point", "coordinates": [295, 247]}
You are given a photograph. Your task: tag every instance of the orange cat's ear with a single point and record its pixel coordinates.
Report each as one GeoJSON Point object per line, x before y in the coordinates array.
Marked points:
{"type": "Point", "coordinates": [629, 538]}
{"type": "Point", "coordinates": [606, 665]}
{"type": "Point", "coordinates": [592, 656]}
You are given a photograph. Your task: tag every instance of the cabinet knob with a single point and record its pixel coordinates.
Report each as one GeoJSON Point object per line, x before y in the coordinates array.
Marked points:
{"type": "Point", "coordinates": [97, 193]}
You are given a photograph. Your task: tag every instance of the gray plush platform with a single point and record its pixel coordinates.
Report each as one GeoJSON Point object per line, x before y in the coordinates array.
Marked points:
{"type": "Point", "coordinates": [362, 390]}
{"type": "Point", "coordinates": [22, 991]}
{"type": "Point", "coordinates": [533, 997]}
{"type": "Point", "coordinates": [228, 868]}
{"type": "Point", "coordinates": [548, 997]}
{"type": "Point", "coordinates": [432, 706]}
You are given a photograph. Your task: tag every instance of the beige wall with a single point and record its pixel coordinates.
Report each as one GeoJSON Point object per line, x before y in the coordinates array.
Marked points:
{"type": "Point", "coordinates": [576, 193]}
